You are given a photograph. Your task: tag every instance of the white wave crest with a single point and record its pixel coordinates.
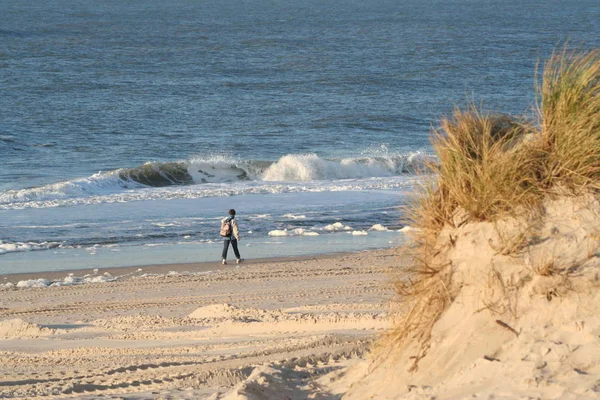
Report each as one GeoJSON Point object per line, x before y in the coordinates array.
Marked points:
{"type": "Point", "coordinates": [221, 170]}
{"type": "Point", "coordinates": [72, 280]}
{"type": "Point", "coordinates": [292, 216]}
{"type": "Point", "coordinates": [97, 184]}
{"type": "Point", "coordinates": [151, 179]}
{"type": "Point", "coordinates": [311, 167]}
{"type": "Point", "coordinates": [6, 247]}
{"type": "Point", "coordinates": [69, 280]}
{"type": "Point", "coordinates": [379, 227]}
{"type": "Point", "coordinates": [217, 190]}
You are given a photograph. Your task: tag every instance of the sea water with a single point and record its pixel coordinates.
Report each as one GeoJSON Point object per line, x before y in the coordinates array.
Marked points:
{"type": "Point", "coordinates": [128, 129]}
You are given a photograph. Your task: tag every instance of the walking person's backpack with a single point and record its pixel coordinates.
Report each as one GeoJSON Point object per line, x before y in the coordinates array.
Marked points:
{"type": "Point", "coordinates": [226, 227]}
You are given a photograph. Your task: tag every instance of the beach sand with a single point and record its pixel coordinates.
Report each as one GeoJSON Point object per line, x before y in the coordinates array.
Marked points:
{"type": "Point", "coordinates": [181, 331]}
{"type": "Point", "coordinates": [520, 325]}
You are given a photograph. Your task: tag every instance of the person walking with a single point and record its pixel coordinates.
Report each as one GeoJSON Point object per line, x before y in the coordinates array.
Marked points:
{"type": "Point", "coordinates": [231, 234]}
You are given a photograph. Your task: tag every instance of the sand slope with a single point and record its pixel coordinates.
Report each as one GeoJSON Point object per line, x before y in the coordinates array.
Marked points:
{"type": "Point", "coordinates": [521, 326]}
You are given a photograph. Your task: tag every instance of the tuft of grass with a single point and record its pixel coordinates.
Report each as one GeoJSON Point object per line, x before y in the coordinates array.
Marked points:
{"type": "Point", "coordinates": [483, 167]}
{"type": "Point", "coordinates": [569, 109]}
{"type": "Point", "coordinates": [429, 210]}
{"type": "Point", "coordinates": [592, 245]}
{"type": "Point", "coordinates": [483, 171]}
{"type": "Point", "coordinates": [502, 296]}
{"type": "Point", "coordinates": [425, 292]}
{"type": "Point", "coordinates": [546, 266]}
{"type": "Point", "coordinates": [513, 239]}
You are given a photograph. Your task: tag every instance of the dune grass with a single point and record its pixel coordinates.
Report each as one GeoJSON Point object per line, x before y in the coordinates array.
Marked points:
{"type": "Point", "coordinates": [569, 97]}
{"type": "Point", "coordinates": [481, 170]}
{"type": "Point", "coordinates": [492, 166]}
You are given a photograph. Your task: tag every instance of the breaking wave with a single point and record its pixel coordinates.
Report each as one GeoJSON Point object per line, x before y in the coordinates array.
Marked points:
{"type": "Point", "coordinates": [293, 168]}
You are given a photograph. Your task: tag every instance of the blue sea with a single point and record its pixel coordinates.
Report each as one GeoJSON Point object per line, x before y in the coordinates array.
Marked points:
{"type": "Point", "coordinates": [129, 128]}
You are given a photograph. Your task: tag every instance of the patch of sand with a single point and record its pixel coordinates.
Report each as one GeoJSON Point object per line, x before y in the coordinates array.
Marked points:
{"type": "Point", "coordinates": [19, 329]}
{"type": "Point", "coordinates": [213, 311]}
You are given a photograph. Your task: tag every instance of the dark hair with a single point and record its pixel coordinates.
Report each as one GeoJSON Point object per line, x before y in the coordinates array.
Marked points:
{"type": "Point", "coordinates": [232, 212]}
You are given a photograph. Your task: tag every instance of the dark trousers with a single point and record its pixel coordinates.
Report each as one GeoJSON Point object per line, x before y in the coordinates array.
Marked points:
{"type": "Point", "coordinates": [226, 247]}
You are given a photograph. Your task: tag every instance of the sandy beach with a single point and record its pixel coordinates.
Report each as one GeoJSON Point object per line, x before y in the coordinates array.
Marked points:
{"type": "Point", "coordinates": [179, 331]}
{"type": "Point", "coordinates": [414, 186]}
{"type": "Point", "coordinates": [315, 327]}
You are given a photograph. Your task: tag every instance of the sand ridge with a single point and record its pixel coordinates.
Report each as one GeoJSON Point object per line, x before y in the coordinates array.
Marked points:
{"type": "Point", "coordinates": [17, 329]}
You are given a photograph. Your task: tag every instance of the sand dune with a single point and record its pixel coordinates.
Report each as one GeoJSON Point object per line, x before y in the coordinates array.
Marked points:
{"type": "Point", "coordinates": [524, 325]}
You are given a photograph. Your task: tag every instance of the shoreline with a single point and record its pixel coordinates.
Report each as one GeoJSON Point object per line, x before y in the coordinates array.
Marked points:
{"type": "Point", "coordinates": [84, 260]}
{"type": "Point", "coordinates": [163, 269]}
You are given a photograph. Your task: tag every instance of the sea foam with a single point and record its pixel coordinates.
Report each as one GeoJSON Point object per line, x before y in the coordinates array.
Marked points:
{"type": "Point", "coordinates": [292, 232]}
{"type": "Point", "coordinates": [6, 247]}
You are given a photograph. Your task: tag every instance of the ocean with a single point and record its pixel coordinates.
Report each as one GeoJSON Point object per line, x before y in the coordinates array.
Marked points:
{"type": "Point", "coordinates": [128, 129]}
